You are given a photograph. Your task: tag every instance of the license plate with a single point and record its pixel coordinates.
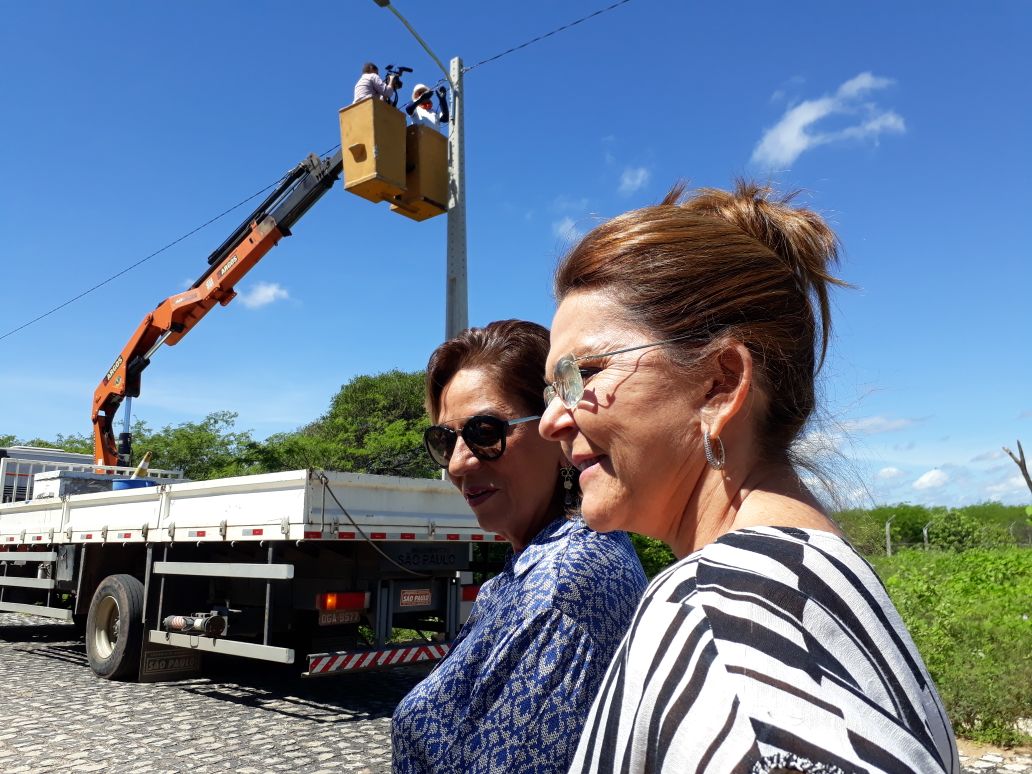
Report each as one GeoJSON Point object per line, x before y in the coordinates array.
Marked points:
{"type": "Point", "coordinates": [333, 617]}
{"type": "Point", "coordinates": [415, 598]}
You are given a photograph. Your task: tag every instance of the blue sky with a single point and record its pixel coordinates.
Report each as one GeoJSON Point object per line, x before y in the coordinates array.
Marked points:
{"type": "Point", "coordinates": [126, 125]}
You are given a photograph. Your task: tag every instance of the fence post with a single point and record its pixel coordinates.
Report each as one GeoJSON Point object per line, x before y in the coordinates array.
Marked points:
{"type": "Point", "coordinates": [888, 536]}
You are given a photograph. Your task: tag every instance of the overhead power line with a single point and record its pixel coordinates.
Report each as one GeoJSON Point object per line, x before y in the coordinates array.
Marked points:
{"type": "Point", "coordinates": [138, 263]}
{"type": "Point", "coordinates": [546, 35]}
{"type": "Point", "coordinates": [190, 233]}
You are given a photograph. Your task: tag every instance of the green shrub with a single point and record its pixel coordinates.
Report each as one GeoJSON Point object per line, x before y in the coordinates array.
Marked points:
{"type": "Point", "coordinates": [961, 530]}
{"type": "Point", "coordinates": [970, 615]}
{"type": "Point", "coordinates": [654, 554]}
{"type": "Point", "coordinates": [864, 530]}
{"type": "Point", "coordinates": [987, 525]}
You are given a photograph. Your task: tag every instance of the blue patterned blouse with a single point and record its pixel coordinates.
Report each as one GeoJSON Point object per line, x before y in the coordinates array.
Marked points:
{"type": "Point", "coordinates": [513, 693]}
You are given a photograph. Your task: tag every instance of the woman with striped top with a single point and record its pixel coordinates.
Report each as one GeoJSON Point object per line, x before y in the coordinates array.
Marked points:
{"type": "Point", "coordinates": [681, 371]}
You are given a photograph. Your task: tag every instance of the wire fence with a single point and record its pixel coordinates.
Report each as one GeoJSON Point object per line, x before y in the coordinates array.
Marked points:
{"type": "Point", "coordinates": [954, 535]}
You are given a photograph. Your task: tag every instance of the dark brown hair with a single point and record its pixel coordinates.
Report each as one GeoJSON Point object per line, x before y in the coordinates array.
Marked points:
{"type": "Point", "coordinates": [723, 265]}
{"type": "Point", "coordinates": [513, 351]}
{"type": "Point", "coordinates": [369, 67]}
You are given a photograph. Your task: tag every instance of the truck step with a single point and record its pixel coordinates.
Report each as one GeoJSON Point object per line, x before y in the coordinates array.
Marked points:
{"type": "Point", "coordinates": [47, 612]}
{"type": "Point", "coordinates": [228, 647]}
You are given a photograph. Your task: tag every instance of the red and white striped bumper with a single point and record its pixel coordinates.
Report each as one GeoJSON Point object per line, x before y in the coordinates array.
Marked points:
{"type": "Point", "coordinates": [351, 661]}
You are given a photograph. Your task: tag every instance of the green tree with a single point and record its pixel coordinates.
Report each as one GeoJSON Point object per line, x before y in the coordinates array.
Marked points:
{"type": "Point", "coordinates": [80, 444]}
{"type": "Point", "coordinates": [374, 424]}
{"type": "Point", "coordinates": [908, 522]}
{"type": "Point", "coordinates": [76, 442]}
{"type": "Point", "coordinates": [211, 448]}
{"type": "Point", "coordinates": [291, 451]}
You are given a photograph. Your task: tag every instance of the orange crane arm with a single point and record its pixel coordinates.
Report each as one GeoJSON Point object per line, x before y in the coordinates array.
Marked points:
{"type": "Point", "coordinates": [176, 316]}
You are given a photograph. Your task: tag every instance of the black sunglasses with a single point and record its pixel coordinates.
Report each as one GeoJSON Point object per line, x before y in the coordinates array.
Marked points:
{"type": "Point", "coordinates": [484, 436]}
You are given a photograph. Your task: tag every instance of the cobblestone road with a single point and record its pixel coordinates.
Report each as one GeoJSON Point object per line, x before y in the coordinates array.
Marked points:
{"type": "Point", "coordinates": [55, 716]}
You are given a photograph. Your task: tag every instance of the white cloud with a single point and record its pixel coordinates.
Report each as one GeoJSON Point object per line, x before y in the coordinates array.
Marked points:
{"type": "Point", "coordinates": [889, 473]}
{"type": "Point", "coordinates": [989, 456]}
{"type": "Point", "coordinates": [564, 203]}
{"type": "Point", "coordinates": [792, 84]}
{"type": "Point", "coordinates": [795, 133]}
{"type": "Point", "coordinates": [566, 229]}
{"type": "Point", "coordinates": [633, 179]}
{"type": "Point", "coordinates": [263, 294]}
{"type": "Point", "coordinates": [1011, 485]}
{"type": "Point", "coordinates": [872, 425]}
{"type": "Point", "coordinates": [858, 86]}
{"type": "Point", "coordinates": [933, 479]}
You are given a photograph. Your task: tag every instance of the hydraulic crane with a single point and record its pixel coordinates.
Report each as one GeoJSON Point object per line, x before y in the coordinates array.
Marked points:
{"type": "Point", "coordinates": [176, 316]}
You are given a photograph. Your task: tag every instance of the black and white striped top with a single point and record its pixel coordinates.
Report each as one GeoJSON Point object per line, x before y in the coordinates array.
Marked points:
{"type": "Point", "coordinates": [770, 649]}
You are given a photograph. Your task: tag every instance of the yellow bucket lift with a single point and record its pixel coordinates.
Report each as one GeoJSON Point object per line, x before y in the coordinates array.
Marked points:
{"type": "Point", "coordinates": [372, 139]}
{"type": "Point", "coordinates": [426, 178]}
{"type": "Point", "coordinates": [384, 161]}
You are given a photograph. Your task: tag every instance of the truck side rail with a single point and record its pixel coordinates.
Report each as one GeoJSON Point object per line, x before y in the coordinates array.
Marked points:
{"type": "Point", "coordinates": [17, 476]}
{"type": "Point", "coordinates": [298, 505]}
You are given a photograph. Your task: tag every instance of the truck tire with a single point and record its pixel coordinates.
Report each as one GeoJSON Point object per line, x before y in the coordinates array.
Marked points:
{"type": "Point", "coordinates": [114, 628]}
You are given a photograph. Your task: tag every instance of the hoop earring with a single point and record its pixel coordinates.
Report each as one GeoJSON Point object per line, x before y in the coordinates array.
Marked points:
{"type": "Point", "coordinates": [567, 475]}
{"type": "Point", "coordinates": [715, 461]}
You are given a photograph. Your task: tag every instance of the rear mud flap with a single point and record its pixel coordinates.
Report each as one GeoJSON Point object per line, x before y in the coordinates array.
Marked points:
{"type": "Point", "coordinates": [159, 663]}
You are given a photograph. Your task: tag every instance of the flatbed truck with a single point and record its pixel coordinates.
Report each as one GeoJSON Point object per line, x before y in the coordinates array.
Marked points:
{"type": "Point", "coordinates": [305, 567]}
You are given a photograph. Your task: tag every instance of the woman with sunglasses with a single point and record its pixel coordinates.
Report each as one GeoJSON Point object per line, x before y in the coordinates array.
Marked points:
{"type": "Point", "coordinates": [513, 692]}
{"type": "Point", "coordinates": [681, 372]}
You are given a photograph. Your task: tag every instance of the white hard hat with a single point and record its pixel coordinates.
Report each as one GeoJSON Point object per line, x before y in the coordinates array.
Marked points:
{"type": "Point", "coordinates": [419, 88]}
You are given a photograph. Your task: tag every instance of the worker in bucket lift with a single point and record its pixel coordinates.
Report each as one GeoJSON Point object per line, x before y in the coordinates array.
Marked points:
{"type": "Point", "coordinates": [371, 85]}
{"type": "Point", "coordinates": [421, 109]}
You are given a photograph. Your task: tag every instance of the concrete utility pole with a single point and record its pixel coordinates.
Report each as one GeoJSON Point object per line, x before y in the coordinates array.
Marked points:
{"type": "Point", "coordinates": [456, 314]}
{"type": "Point", "coordinates": [456, 294]}
{"type": "Point", "coordinates": [888, 536]}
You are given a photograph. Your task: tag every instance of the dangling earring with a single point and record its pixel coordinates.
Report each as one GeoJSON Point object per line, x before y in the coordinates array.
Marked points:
{"type": "Point", "coordinates": [567, 474]}
{"type": "Point", "coordinates": [715, 461]}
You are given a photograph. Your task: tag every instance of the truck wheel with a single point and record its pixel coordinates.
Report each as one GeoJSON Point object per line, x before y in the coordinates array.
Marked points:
{"type": "Point", "coordinates": [114, 628]}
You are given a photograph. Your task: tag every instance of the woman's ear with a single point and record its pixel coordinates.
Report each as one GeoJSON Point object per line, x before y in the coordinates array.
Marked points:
{"type": "Point", "coordinates": [728, 384]}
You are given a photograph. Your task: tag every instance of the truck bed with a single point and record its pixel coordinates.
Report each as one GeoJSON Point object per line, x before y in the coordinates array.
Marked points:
{"type": "Point", "coordinates": [293, 505]}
